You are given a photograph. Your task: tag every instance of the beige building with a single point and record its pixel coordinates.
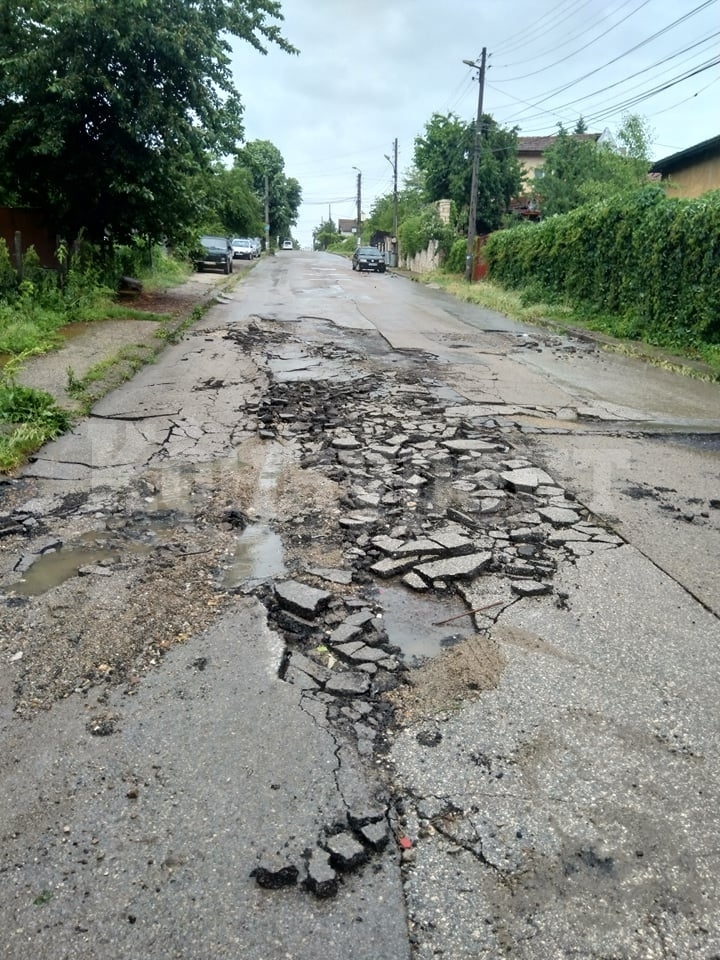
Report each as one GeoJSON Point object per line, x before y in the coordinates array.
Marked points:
{"type": "Point", "coordinates": [691, 172]}
{"type": "Point", "coordinates": [531, 152]}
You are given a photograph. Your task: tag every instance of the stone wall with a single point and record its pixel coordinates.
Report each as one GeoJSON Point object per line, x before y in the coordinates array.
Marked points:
{"type": "Point", "coordinates": [424, 262]}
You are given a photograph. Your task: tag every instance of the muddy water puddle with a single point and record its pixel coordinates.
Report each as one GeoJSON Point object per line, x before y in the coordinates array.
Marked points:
{"type": "Point", "coordinates": [416, 623]}
{"type": "Point", "coordinates": [258, 555]}
{"type": "Point", "coordinates": [54, 567]}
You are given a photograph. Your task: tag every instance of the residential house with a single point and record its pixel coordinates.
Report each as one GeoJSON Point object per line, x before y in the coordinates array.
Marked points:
{"type": "Point", "coordinates": [531, 152]}
{"type": "Point", "coordinates": [348, 228]}
{"type": "Point", "coordinates": [693, 171]}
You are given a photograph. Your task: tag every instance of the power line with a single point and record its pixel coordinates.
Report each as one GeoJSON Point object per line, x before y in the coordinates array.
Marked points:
{"type": "Point", "coordinates": [640, 98]}
{"type": "Point", "coordinates": [580, 100]}
{"type": "Point", "coordinates": [532, 29]}
{"type": "Point", "coordinates": [549, 66]}
{"type": "Point", "coordinates": [566, 86]}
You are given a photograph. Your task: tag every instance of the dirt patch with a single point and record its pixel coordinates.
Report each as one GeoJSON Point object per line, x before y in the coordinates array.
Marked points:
{"type": "Point", "coordinates": [94, 628]}
{"type": "Point", "coordinates": [458, 675]}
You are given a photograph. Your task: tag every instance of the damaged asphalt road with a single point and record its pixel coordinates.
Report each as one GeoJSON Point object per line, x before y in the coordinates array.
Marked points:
{"type": "Point", "coordinates": [343, 630]}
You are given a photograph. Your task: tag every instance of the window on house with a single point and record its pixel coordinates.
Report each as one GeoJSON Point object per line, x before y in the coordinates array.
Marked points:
{"type": "Point", "coordinates": [538, 173]}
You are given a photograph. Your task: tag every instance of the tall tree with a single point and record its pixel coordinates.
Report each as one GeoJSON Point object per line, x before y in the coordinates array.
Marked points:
{"type": "Point", "coordinates": [263, 159]}
{"type": "Point", "coordinates": [232, 206]}
{"type": "Point", "coordinates": [579, 170]}
{"type": "Point", "coordinates": [444, 156]}
{"type": "Point", "coordinates": [110, 108]}
{"type": "Point", "coordinates": [410, 202]}
{"type": "Point", "coordinates": [325, 234]}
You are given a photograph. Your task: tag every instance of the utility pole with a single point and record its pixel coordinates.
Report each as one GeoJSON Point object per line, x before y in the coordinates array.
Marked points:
{"type": "Point", "coordinates": [394, 164]}
{"type": "Point", "coordinates": [358, 222]}
{"type": "Point", "coordinates": [267, 215]}
{"type": "Point", "coordinates": [472, 230]}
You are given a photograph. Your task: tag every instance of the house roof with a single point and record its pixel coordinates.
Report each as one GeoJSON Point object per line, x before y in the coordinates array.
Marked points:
{"type": "Point", "coordinates": [541, 144]}
{"type": "Point", "coordinates": [700, 151]}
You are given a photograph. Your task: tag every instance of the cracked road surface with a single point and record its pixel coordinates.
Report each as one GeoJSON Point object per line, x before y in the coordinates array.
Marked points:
{"type": "Point", "coordinates": [365, 623]}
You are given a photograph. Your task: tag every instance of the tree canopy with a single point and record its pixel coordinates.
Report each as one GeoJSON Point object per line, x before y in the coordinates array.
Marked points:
{"type": "Point", "coordinates": [263, 159]}
{"type": "Point", "coordinates": [326, 234]}
{"type": "Point", "coordinates": [444, 156]}
{"type": "Point", "coordinates": [111, 109]}
{"type": "Point", "coordinates": [577, 171]}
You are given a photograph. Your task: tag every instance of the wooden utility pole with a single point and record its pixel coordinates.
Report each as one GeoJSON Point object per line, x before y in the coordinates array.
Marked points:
{"type": "Point", "coordinates": [472, 218]}
{"type": "Point", "coordinates": [358, 225]}
{"type": "Point", "coordinates": [267, 215]}
{"type": "Point", "coordinates": [394, 165]}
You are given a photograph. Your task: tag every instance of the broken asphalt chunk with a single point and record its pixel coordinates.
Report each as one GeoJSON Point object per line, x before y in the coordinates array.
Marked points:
{"type": "Point", "coordinates": [345, 851]}
{"type": "Point", "coordinates": [390, 567]}
{"type": "Point", "coordinates": [348, 683]}
{"type": "Point", "coordinates": [453, 568]}
{"type": "Point", "coordinates": [526, 479]}
{"type": "Point", "coordinates": [559, 516]}
{"type": "Point", "coordinates": [322, 880]}
{"type": "Point", "coordinates": [478, 445]}
{"type": "Point", "coordinates": [274, 873]}
{"type": "Point", "coordinates": [376, 835]}
{"type": "Point", "coordinates": [309, 668]}
{"type": "Point", "coordinates": [301, 599]}
{"type": "Point", "coordinates": [530, 588]}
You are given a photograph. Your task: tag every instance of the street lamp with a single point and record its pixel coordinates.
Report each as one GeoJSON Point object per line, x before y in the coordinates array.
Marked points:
{"type": "Point", "coordinates": [358, 224]}
{"type": "Point", "coordinates": [472, 217]}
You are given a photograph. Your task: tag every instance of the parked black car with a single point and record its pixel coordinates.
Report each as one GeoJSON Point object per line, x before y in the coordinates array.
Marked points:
{"type": "Point", "coordinates": [368, 258]}
{"type": "Point", "coordinates": [214, 252]}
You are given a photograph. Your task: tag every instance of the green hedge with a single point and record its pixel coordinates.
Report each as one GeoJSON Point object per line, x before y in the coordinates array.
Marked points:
{"type": "Point", "coordinates": [652, 260]}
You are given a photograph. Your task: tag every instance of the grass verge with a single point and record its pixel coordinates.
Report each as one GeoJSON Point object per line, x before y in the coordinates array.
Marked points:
{"type": "Point", "coordinates": [701, 362]}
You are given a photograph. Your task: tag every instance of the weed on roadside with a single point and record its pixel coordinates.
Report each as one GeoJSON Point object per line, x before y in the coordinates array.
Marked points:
{"type": "Point", "coordinates": [28, 419]}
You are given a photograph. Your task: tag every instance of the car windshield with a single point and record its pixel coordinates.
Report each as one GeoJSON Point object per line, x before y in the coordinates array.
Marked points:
{"type": "Point", "coordinates": [371, 251]}
{"type": "Point", "coordinates": [214, 242]}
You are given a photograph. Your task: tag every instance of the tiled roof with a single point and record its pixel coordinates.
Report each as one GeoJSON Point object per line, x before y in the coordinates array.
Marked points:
{"type": "Point", "coordinates": [541, 144]}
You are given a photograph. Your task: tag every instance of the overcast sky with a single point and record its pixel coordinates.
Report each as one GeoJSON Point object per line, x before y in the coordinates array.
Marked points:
{"type": "Point", "coordinates": [370, 72]}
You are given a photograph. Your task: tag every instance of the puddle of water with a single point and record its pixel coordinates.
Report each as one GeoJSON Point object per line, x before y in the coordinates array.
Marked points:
{"type": "Point", "coordinates": [183, 489]}
{"type": "Point", "coordinates": [56, 566]}
{"type": "Point", "coordinates": [271, 470]}
{"type": "Point", "coordinates": [258, 555]}
{"type": "Point", "coordinates": [410, 620]}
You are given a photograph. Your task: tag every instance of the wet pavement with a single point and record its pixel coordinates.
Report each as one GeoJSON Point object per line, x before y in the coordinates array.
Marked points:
{"type": "Point", "coordinates": [423, 645]}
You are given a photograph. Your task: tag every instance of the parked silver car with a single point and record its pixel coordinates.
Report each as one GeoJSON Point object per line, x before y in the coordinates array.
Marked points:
{"type": "Point", "coordinates": [243, 248]}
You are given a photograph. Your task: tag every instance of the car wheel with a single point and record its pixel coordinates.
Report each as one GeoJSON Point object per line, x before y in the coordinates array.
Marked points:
{"type": "Point", "coordinates": [232, 266]}
{"type": "Point", "coordinates": [226, 267]}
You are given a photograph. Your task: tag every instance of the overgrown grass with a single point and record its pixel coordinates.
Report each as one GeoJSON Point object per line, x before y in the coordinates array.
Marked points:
{"type": "Point", "coordinates": [36, 303]}
{"type": "Point", "coordinates": [701, 361]}
{"type": "Point", "coordinates": [28, 419]}
{"type": "Point", "coordinates": [108, 374]}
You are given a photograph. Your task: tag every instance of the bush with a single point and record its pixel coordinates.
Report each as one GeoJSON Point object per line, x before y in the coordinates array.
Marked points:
{"type": "Point", "coordinates": [456, 260]}
{"type": "Point", "coordinates": [416, 232]}
{"type": "Point", "coordinates": [651, 260]}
